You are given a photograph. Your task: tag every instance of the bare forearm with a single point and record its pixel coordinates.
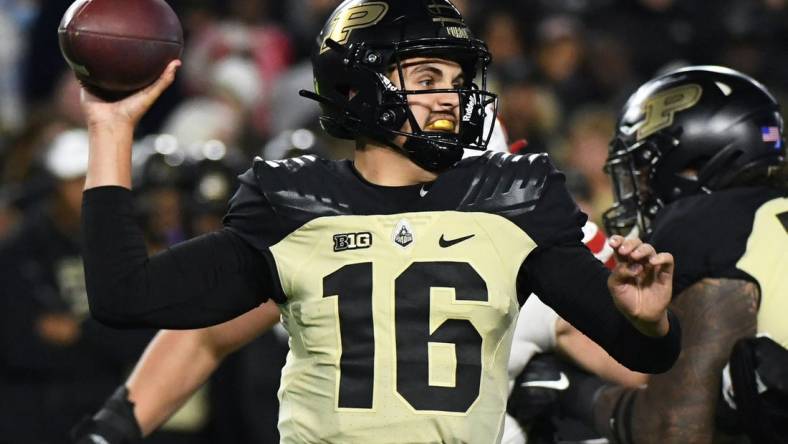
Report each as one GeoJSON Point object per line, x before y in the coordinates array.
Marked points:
{"type": "Point", "coordinates": [678, 406]}
{"type": "Point", "coordinates": [173, 367]}
{"type": "Point", "coordinates": [111, 127]}
{"type": "Point", "coordinates": [110, 155]}
{"type": "Point", "coordinates": [178, 362]}
{"type": "Point", "coordinates": [578, 347]}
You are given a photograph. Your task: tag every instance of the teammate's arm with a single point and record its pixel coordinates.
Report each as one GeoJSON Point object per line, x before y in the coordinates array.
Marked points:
{"type": "Point", "coordinates": [573, 344]}
{"type": "Point", "coordinates": [175, 364]}
{"type": "Point", "coordinates": [678, 406]}
{"type": "Point", "coordinates": [178, 362]}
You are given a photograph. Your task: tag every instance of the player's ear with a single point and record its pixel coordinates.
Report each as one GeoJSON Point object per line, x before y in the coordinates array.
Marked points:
{"type": "Point", "coordinates": [393, 75]}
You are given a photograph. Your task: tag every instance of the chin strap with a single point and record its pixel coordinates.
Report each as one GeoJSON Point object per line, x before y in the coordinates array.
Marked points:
{"type": "Point", "coordinates": [346, 117]}
{"type": "Point", "coordinates": [431, 158]}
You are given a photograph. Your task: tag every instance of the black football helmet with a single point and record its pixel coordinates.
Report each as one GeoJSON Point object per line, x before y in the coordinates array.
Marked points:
{"type": "Point", "coordinates": [694, 130]}
{"type": "Point", "coordinates": [363, 41]}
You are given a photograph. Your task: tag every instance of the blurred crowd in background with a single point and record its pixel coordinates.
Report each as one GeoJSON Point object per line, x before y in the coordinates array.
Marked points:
{"type": "Point", "coordinates": [561, 68]}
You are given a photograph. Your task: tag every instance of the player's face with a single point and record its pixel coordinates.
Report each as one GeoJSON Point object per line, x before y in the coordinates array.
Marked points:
{"type": "Point", "coordinates": [434, 112]}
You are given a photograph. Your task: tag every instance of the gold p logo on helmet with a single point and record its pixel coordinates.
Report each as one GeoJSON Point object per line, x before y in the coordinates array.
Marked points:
{"type": "Point", "coordinates": [661, 108]}
{"type": "Point", "coordinates": [354, 17]}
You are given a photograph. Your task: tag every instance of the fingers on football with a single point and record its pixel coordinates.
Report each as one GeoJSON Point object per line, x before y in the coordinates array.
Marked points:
{"type": "Point", "coordinates": [164, 81]}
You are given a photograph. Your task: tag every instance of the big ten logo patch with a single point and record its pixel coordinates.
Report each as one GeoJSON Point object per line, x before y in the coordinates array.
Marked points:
{"type": "Point", "coordinates": [352, 241]}
{"type": "Point", "coordinates": [351, 18]}
{"type": "Point", "coordinates": [661, 108]}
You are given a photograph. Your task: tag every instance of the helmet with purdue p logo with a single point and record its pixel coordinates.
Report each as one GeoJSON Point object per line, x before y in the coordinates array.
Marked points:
{"type": "Point", "coordinates": [693, 130]}
{"type": "Point", "coordinates": [364, 41]}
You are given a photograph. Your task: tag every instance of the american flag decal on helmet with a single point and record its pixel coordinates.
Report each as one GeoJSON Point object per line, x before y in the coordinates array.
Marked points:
{"type": "Point", "coordinates": [771, 134]}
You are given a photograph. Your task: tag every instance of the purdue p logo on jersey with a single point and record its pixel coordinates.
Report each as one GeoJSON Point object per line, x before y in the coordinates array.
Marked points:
{"type": "Point", "coordinates": [403, 233]}
{"type": "Point", "coordinates": [353, 17]}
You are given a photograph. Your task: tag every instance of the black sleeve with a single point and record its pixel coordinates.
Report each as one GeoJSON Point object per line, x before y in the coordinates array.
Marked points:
{"type": "Point", "coordinates": [200, 282]}
{"type": "Point", "coordinates": [573, 282]}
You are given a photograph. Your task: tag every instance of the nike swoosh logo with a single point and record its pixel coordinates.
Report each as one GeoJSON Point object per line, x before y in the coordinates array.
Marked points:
{"type": "Point", "coordinates": [97, 439]}
{"type": "Point", "coordinates": [448, 243]}
{"type": "Point", "coordinates": [423, 191]}
{"type": "Point", "coordinates": [561, 384]}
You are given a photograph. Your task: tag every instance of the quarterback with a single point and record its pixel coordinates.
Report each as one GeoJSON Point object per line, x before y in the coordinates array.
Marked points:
{"type": "Point", "coordinates": [399, 274]}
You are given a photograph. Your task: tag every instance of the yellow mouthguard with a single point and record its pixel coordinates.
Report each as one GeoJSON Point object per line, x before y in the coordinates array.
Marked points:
{"type": "Point", "coordinates": [441, 125]}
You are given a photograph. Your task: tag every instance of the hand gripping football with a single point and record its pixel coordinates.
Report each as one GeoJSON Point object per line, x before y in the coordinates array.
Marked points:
{"type": "Point", "coordinates": [117, 47]}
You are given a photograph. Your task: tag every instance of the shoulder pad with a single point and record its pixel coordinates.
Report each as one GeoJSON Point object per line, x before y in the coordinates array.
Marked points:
{"type": "Point", "coordinates": [302, 186]}
{"type": "Point", "coordinates": [685, 227]}
{"type": "Point", "coordinates": [507, 183]}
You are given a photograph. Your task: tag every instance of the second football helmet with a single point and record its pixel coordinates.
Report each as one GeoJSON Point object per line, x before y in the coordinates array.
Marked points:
{"type": "Point", "coordinates": [364, 41]}
{"type": "Point", "coordinates": [694, 130]}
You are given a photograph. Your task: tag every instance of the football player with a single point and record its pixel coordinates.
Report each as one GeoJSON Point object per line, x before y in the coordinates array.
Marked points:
{"type": "Point", "coordinates": [398, 274]}
{"type": "Point", "coordinates": [698, 163]}
{"type": "Point", "coordinates": [178, 362]}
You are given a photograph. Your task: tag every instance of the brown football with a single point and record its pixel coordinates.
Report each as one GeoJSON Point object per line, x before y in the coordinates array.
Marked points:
{"type": "Point", "coordinates": [117, 47]}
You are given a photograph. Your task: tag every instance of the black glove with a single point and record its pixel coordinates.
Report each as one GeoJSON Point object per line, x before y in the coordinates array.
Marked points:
{"type": "Point", "coordinates": [755, 391]}
{"type": "Point", "coordinates": [536, 389]}
{"type": "Point", "coordinates": [113, 424]}
{"type": "Point", "coordinates": [554, 400]}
